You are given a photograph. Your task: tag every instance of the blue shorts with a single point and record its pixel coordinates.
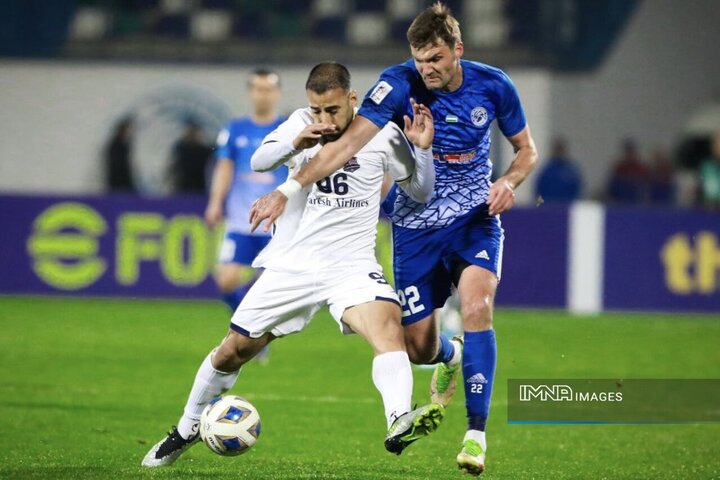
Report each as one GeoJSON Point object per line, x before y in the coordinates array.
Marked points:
{"type": "Point", "coordinates": [428, 261]}
{"type": "Point", "coordinates": [241, 248]}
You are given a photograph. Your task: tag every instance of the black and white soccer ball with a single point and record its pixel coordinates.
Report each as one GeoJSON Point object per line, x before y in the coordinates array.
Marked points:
{"type": "Point", "coordinates": [230, 425]}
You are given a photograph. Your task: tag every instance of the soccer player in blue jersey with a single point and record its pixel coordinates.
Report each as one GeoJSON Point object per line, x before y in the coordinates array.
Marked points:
{"type": "Point", "coordinates": [235, 186]}
{"type": "Point", "coordinates": [456, 237]}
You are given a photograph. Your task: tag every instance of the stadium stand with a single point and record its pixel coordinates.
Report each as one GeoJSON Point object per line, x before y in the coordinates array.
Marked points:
{"type": "Point", "coordinates": [568, 35]}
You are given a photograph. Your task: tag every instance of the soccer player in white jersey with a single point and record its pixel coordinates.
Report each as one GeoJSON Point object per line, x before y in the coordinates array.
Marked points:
{"type": "Point", "coordinates": [456, 237]}
{"type": "Point", "coordinates": [324, 255]}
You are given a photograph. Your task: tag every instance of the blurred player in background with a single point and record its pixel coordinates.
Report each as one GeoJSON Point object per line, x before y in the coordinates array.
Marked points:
{"type": "Point", "coordinates": [119, 172]}
{"type": "Point", "coordinates": [189, 161]}
{"type": "Point", "coordinates": [235, 186]}
{"type": "Point", "coordinates": [456, 238]}
{"type": "Point", "coordinates": [323, 253]}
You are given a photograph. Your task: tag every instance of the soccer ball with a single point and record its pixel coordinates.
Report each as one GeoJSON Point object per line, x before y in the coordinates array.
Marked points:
{"type": "Point", "coordinates": [230, 425]}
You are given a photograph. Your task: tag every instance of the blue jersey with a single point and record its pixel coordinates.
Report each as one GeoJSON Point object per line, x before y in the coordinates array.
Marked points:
{"type": "Point", "coordinates": [462, 135]}
{"type": "Point", "coordinates": [237, 142]}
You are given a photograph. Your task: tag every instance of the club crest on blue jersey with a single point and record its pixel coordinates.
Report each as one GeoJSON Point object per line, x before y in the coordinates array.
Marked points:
{"type": "Point", "coordinates": [479, 116]}
{"type": "Point", "coordinates": [351, 165]}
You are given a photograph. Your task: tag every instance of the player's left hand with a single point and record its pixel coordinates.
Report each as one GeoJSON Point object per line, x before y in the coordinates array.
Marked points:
{"type": "Point", "coordinates": [268, 207]}
{"type": "Point", "coordinates": [421, 129]}
{"type": "Point", "coordinates": [501, 197]}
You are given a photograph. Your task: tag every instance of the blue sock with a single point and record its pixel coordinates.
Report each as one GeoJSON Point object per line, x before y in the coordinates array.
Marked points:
{"type": "Point", "coordinates": [232, 300]}
{"type": "Point", "coordinates": [478, 364]}
{"type": "Point", "coordinates": [446, 352]}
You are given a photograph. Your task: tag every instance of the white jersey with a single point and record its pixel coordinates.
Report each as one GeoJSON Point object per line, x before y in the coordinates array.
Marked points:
{"type": "Point", "coordinates": [338, 223]}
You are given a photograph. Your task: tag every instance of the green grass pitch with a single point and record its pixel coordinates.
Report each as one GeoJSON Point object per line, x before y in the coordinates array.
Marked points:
{"type": "Point", "coordinates": [87, 386]}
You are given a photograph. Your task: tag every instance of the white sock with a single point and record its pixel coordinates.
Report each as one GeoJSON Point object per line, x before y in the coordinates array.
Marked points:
{"type": "Point", "coordinates": [478, 436]}
{"type": "Point", "coordinates": [209, 383]}
{"type": "Point", "coordinates": [392, 377]}
{"type": "Point", "coordinates": [457, 355]}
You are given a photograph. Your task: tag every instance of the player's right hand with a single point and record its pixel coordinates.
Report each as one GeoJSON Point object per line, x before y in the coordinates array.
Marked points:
{"type": "Point", "coordinates": [311, 135]}
{"type": "Point", "coordinates": [421, 129]}
{"type": "Point", "coordinates": [501, 196]}
{"type": "Point", "coordinates": [268, 207]}
{"type": "Point", "coordinates": [213, 214]}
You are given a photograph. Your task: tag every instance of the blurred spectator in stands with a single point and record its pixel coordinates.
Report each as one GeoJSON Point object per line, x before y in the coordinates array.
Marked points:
{"type": "Point", "coordinates": [190, 157]}
{"type": "Point", "coordinates": [630, 177]}
{"type": "Point", "coordinates": [710, 176]}
{"type": "Point", "coordinates": [119, 175]}
{"type": "Point", "coordinates": [661, 179]}
{"type": "Point", "coordinates": [560, 180]}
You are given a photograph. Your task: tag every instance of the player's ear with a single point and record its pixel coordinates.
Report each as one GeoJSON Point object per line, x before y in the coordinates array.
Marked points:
{"type": "Point", "coordinates": [459, 49]}
{"type": "Point", "coordinates": [353, 98]}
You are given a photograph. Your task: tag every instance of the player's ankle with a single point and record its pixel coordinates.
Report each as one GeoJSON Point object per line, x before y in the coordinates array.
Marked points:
{"type": "Point", "coordinates": [478, 436]}
{"type": "Point", "coordinates": [457, 353]}
{"type": "Point", "coordinates": [188, 427]}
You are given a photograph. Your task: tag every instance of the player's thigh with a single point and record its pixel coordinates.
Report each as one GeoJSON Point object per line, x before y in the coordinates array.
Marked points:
{"type": "Point", "coordinates": [421, 277]}
{"type": "Point", "coordinates": [378, 322]}
{"type": "Point", "coordinates": [230, 276]}
{"type": "Point", "coordinates": [278, 303]}
{"type": "Point", "coordinates": [356, 285]}
{"type": "Point", "coordinates": [476, 265]}
{"type": "Point", "coordinates": [242, 248]}
{"type": "Point", "coordinates": [476, 240]}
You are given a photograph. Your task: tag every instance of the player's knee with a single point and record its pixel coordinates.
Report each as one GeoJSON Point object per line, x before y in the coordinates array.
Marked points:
{"type": "Point", "coordinates": [226, 281]}
{"type": "Point", "coordinates": [226, 359]}
{"type": "Point", "coordinates": [234, 352]}
{"type": "Point", "coordinates": [478, 313]}
{"type": "Point", "coordinates": [387, 336]}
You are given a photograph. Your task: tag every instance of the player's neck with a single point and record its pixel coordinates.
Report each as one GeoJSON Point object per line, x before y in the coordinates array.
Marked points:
{"type": "Point", "coordinates": [456, 81]}
{"type": "Point", "coordinates": [263, 117]}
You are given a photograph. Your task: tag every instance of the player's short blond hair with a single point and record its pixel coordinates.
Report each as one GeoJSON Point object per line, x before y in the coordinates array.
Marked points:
{"type": "Point", "coordinates": [432, 24]}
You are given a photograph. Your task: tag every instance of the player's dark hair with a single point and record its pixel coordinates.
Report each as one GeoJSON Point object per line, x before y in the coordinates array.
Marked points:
{"type": "Point", "coordinates": [262, 72]}
{"type": "Point", "coordinates": [432, 24]}
{"type": "Point", "coordinates": [328, 76]}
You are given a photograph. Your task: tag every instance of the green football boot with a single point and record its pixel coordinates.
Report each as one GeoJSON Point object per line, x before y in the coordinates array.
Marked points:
{"type": "Point", "coordinates": [412, 426]}
{"type": "Point", "coordinates": [471, 458]}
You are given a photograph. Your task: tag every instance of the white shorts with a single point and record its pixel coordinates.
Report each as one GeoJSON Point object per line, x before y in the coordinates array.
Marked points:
{"type": "Point", "coordinates": [284, 302]}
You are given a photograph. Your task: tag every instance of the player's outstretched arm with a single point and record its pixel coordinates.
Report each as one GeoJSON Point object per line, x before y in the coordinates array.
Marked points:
{"type": "Point", "coordinates": [502, 193]}
{"type": "Point", "coordinates": [331, 157]}
{"type": "Point", "coordinates": [221, 181]}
